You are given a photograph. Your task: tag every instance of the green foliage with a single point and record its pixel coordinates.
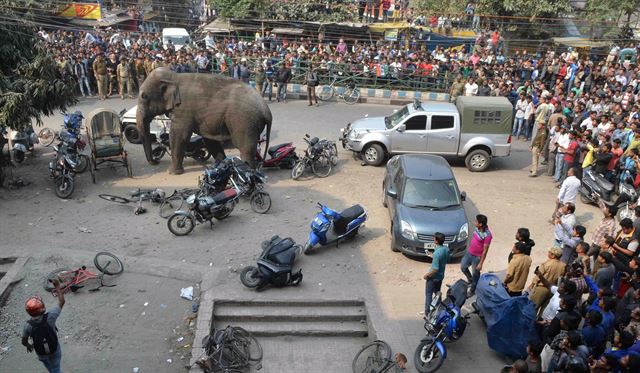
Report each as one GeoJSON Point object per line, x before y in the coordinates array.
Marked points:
{"type": "Point", "coordinates": [31, 84]}
{"type": "Point", "coordinates": [429, 7]}
{"type": "Point", "coordinates": [240, 8]}
{"type": "Point", "coordinates": [522, 8]}
{"type": "Point", "coordinates": [302, 10]}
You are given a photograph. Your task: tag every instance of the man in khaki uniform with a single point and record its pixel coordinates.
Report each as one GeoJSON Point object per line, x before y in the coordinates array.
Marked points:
{"type": "Point", "coordinates": [100, 71]}
{"type": "Point", "coordinates": [551, 270]}
{"type": "Point", "coordinates": [124, 77]}
{"type": "Point", "coordinates": [536, 147]}
{"type": "Point", "coordinates": [457, 88]}
{"type": "Point", "coordinates": [147, 66]}
{"type": "Point", "coordinates": [141, 73]}
{"type": "Point", "coordinates": [157, 62]}
{"type": "Point", "coordinates": [518, 270]}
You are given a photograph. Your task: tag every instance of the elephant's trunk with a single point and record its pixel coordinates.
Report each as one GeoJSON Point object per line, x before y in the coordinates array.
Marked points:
{"type": "Point", "coordinates": [143, 121]}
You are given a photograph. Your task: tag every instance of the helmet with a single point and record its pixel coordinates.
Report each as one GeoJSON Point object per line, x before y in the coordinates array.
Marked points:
{"type": "Point", "coordinates": [34, 306]}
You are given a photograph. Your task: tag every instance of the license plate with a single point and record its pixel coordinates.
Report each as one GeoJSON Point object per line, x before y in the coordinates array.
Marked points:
{"type": "Point", "coordinates": [429, 245]}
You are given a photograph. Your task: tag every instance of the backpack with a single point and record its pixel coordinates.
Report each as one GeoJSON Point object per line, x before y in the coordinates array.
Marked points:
{"type": "Point", "coordinates": [45, 338]}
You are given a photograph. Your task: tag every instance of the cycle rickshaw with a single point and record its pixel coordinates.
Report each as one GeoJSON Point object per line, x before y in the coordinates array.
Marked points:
{"type": "Point", "coordinates": [106, 141]}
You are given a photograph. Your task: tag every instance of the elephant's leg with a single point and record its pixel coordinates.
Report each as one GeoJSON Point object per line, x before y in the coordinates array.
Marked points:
{"type": "Point", "coordinates": [215, 148]}
{"type": "Point", "coordinates": [178, 138]}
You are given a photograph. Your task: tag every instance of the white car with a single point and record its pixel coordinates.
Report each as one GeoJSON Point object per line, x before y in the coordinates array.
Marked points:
{"type": "Point", "coordinates": [158, 125]}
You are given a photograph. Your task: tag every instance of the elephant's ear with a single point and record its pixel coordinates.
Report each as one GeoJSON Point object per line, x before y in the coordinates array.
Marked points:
{"type": "Point", "coordinates": [170, 95]}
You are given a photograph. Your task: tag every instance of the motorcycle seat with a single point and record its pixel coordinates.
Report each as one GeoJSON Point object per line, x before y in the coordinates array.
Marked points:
{"type": "Point", "coordinates": [604, 183]}
{"type": "Point", "coordinates": [274, 149]}
{"type": "Point", "coordinates": [346, 217]}
{"type": "Point", "coordinates": [225, 195]}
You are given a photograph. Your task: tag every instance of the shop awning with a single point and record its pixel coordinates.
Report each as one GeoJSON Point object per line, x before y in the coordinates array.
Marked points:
{"type": "Point", "coordinates": [219, 25]}
{"type": "Point", "coordinates": [287, 31]}
{"type": "Point", "coordinates": [577, 42]}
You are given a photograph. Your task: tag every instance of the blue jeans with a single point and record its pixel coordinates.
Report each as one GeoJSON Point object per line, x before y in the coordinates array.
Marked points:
{"type": "Point", "coordinates": [472, 261]}
{"type": "Point", "coordinates": [267, 87]}
{"type": "Point", "coordinates": [518, 127]}
{"type": "Point", "coordinates": [282, 91]}
{"type": "Point", "coordinates": [52, 362]}
{"type": "Point", "coordinates": [431, 287]}
{"type": "Point", "coordinates": [529, 128]}
{"type": "Point", "coordinates": [559, 162]}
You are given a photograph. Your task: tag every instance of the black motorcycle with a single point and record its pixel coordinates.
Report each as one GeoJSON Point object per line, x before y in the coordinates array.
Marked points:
{"type": "Point", "coordinates": [63, 171]}
{"type": "Point", "coordinates": [203, 208]}
{"type": "Point", "coordinates": [275, 265]}
{"type": "Point", "coordinates": [196, 147]}
{"type": "Point", "coordinates": [318, 156]}
{"type": "Point", "coordinates": [595, 186]}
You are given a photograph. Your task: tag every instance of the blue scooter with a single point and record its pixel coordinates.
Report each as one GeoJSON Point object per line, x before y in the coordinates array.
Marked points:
{"type": "Point", "coordinates": [330, 226]}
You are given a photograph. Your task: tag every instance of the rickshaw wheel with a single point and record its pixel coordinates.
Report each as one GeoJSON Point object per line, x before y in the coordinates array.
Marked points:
{"type": "Point", "coordinates": [92, 168]}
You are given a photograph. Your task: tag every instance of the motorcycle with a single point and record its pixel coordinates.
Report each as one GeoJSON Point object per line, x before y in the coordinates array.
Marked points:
{"type": "Point", "coordinates": [330, 226]}
{"type": "Point", "coordinates": [250, 182]}
{"type": "Point", "coordinates": [203, 208]}
{"type": "Point", "coordinates": [72, 144]}
{"type": "Point", "coordinates": [63, 172]}
{"type": "Point", "coordinates": [595, 186]}
{"type": "Point", "coordinates": [317, 157]}
{"type": "Point", "coordinates": [444, 323]}
{"type": "Point", "coordinates": [196, 147]}
{"type": "Point", "coordinates": [275, 265]}
{"type": "Point", "coordinates": [71, 123]}
{"type": "Point", "coordinates": [282, 155]}
{"type": "Point", "coordinates": [23, 142]}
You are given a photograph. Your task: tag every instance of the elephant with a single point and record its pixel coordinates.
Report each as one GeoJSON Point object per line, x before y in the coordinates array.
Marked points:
{"type": "Point", "coordinates": [218, 108]}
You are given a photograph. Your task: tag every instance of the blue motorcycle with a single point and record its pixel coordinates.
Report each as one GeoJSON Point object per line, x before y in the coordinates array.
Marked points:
{"type": "Point", "coordinates": [444, 323]}
{"type": "Point", "coordinates": [330, 226]}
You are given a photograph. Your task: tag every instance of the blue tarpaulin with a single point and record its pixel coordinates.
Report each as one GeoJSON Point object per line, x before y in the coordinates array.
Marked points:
{"type": "Point", "coordinates": [510, 320]}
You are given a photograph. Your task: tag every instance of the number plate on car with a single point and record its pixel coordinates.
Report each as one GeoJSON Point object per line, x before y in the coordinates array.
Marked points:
{"type": "Point", "coordinates": [429, 245]}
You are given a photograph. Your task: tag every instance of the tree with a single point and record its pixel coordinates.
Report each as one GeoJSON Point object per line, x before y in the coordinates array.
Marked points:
{"type": "Point", "coordinates": [429, 7]}
{"type": "Point", "coordinates": [31, 84]}
{"type": "Point", "coordinates": [240, 8]}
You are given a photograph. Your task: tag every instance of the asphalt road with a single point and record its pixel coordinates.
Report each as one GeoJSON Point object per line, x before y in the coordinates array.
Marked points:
{"type": "Point", "coordinates": [34, 221]}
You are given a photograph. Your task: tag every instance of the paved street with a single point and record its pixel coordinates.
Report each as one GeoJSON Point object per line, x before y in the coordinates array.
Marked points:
{"type": "Point", "coordinates": [102, 336]}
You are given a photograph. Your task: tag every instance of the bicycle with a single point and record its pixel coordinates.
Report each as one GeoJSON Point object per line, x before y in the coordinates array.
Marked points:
{"type": "Point", "coordinates": [175, 201]}
{"type": "Point", "coordinates": [230, 350]}
{"type": "Point", "coordinates": [376, 358]}
{"type": "Point", "coordinates": [72, 280]}
{"type": "Point", "coordinates": [350, 94]}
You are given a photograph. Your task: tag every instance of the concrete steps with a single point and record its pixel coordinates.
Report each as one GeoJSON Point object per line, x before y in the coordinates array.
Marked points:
{"type": "Point", "coordinates": [294, 318]}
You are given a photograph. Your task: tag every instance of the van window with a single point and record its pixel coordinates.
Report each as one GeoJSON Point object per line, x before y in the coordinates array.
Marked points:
{"type": "Point", "coordinates": [417, 123]}
{"type": "Point", "coordinates": [441, 122]}
{"type": "Point", "coordinates": [487, 117]}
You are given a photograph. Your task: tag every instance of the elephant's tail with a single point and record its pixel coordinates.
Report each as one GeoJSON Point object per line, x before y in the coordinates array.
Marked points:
{"type": "Point", "coordinates": [269, 119]}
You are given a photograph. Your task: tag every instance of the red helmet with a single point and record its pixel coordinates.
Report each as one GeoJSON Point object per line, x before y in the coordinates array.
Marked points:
{"type": "Point", "coordinates": [34, 306]}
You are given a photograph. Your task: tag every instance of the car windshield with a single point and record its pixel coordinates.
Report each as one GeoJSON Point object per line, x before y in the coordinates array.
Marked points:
{"type": "Point", "coordinates": [395, 118]}
{"type": "Point", "coordinates": [433, 194]}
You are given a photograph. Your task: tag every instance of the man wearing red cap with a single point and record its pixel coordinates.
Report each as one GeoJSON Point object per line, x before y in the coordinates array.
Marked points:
{"type": "Point", "coordinates": [42, 331]}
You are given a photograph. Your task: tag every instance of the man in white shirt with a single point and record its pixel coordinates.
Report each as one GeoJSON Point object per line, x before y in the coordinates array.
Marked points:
{"type": "Point", "coordinates": [471, 88]}
{"type": "Point", "coordinates": [567, 220]}
{"type": "Point", "coordinates": [589, 123]}
{"type": "Point", "coordinates": [568, 191]}
{"type": "Point", "coordinates": [209, 41]}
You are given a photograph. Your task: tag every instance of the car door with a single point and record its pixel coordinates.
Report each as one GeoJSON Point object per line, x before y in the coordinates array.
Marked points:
{"type": "Point", "coordinates": [395, 184]}
{"type": "Point", "coordinates": [411, 135]}
{"type": "Point", "coordinates": [443, 134]}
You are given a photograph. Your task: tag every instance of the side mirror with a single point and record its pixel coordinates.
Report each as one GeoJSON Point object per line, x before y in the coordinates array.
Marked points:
{"type": "Point", "coordinates": [392, 193]}
{"type": "Point", "coordinates": [401, 128]}
{"type": "Point", "coordinates": [463, 196]}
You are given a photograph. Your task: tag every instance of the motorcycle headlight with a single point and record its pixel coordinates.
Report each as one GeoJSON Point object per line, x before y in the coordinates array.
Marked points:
{"type": "Point", "coordinates": [464, 232]}
{"type": "Point", "coordinates": [406, 230]}
{"type": "Point", "coordinates": [191, 199]}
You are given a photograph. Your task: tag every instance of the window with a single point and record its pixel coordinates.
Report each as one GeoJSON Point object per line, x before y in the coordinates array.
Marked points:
{"type": "Point", "coordinates": [417, 123]}
{"type": "Point", "coordinates": [487, 117]}
{"type": "Point", "coordinates": [441, 122]}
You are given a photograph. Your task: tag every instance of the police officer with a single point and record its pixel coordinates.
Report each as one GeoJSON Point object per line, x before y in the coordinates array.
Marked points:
{"type": "Point", "coordinates": [100, 71]}
{"type": "Point", "coordinates": [124, 77]}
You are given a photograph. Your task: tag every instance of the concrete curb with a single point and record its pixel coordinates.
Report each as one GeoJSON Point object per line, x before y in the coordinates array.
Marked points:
{"type": "Point", "coordinates": [371, 95]}
{"type": "Point", "coordinates": [12, 276]}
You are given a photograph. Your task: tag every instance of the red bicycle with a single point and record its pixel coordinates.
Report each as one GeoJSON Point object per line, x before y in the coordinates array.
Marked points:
{"type": "Point", "coordinates": [73, 280]}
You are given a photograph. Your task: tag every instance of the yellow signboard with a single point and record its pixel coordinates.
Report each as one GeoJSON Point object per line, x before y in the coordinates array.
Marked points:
{"type": "Point", "coordinates": [81, 10]}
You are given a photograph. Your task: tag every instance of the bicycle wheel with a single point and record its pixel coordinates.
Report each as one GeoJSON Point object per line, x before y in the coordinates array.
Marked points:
{"type": "Point", "coordinates": [325, 92]}
{"type": "Point", "coordinates": [322, 166]}
{"type": "Point", "coordinates": [372, 357]}
{"type": "Point", "coordinates": [46, 136]}
{"type": "Point", "coordinates": [171, 205]}
{"type": "Point", "coordinates": [251, 344]}
{"type": "Point", "coordinates": [64, 275]}
{"type": "Point", "coordinates": [116, 199]}
{"type": "Point", "coordinates": [108, 263]}
{"type": "Point", "coordinates": [351, 95]}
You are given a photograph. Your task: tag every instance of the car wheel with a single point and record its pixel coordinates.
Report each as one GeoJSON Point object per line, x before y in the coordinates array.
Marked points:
{"type": "Point", "coordinates": [373, 155]}
{"type": "Point", "coordinates": [394, 248]}
{"type": "Point", "coordinates": [132, 135]}
{"type": "Point", "coordinates": [477, 160]}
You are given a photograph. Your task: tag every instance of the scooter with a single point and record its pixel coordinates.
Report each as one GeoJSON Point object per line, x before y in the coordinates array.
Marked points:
{"type": "Point", "coordinates": [23, 142]}
{"type": "Point", "coordinates": [282, 155]}
{"type": "Point", "coordinates": [444, 323]}
{"type": "Point", "coordinates": [595, 186]}
{"type": "Point", "coordinates": [330, 226]}
{"type": "Point", "coordinates": [275, 265]}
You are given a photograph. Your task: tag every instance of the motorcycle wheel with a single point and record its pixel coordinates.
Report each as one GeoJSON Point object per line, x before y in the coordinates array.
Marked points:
{"type": "Point", "coordinates": [260, 202]}
{"type": "Point", "coordinates": [249, 276]}
{"type": "Point", "coordinates": [46, 136]}
{"type": "Point", "coordinates": [222, 214]}
{"type": "Point", "coordinates": [289, 162]}
{"type": "Point", "coordinates": [158, 153]}
{"type": "Point", "coordinates": [202, 155]}
{"type": "Point", "coordinates": [333, 153]}
{"type": "Point", "coordinates": [64, 187]}
{"type": "Point", "coordinates": [427, 357]}
{"type": "Point", "coordinates": [307, 249]}
{"type": "Point", "coordinates": [322, 167]}
{"type": "Point", "coordinates": [297, 170]}
{"type": "Point", "coordinates": [82, 165]}
{"type": "Point", "coordinates": [584, 199]}
{"type": "Point", "coordinates": [180, 225]}
{"type": "Point", "coordinates": [18, 156]}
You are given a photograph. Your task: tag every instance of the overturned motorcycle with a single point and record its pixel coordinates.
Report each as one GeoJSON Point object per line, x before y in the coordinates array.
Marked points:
{"type": "Point", "coordinates": [275, 265]}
